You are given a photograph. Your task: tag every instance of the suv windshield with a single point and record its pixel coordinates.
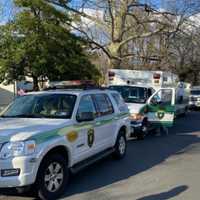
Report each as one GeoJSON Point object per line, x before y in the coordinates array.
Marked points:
{"type": "Point", "coordinates": [131, 94]}
{"type": "Point", "coordinates": [195, 92]}
{"type": "Point", "coordinates": [42, 106]}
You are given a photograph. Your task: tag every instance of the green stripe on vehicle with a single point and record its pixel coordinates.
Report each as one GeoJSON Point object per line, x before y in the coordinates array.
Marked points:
{"type": "Point", "coordinates": [48, 135]}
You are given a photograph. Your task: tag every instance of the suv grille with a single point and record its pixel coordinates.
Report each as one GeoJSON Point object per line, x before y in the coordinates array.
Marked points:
{"type": "Point", "coordinates": [193, 98]}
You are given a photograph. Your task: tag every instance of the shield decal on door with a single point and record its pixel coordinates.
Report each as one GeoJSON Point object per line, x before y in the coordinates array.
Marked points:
{"type": "Point", "coordinates": [160, 114]}
{"type": "Point", "coordinates": [90, 137]}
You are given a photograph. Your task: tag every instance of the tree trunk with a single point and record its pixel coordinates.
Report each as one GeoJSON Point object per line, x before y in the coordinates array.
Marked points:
{"type": "Point", "coordinates": [115, 64]}
{"type": "Point", "coordinates": [35, 83]}
{"type": "Point", "coordinates": [195, 80]}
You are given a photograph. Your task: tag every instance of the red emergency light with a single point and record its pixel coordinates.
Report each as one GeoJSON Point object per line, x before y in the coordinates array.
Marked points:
{"type": "Point", "coordinates": [111, 74]}
{"type": "Point", "coordinates": [156, 76]}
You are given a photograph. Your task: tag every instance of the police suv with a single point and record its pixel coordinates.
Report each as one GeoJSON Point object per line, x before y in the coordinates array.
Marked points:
{"type": "Point", "coordinates": [45, 136]}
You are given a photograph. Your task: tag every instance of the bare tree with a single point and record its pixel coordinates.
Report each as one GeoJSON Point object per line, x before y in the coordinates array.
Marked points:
{"type": "Point", "coordinates": [113, 25]}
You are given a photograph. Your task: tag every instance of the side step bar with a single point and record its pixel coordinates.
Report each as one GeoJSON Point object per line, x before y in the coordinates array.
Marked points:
{"type": "Point", "coordinates": [83, 164]}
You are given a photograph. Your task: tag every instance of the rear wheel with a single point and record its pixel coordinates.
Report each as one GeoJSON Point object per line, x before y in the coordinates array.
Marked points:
{"type": "Point", "coordinates": [120, 146]}
{"type": "Point", "coordinates": [53, 176]}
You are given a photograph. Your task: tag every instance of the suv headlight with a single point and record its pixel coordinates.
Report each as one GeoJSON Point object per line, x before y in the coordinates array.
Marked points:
{"type": "Point", "coordinates": [14, 149]}
{"type": "Point", "coordinates": [136, 117]}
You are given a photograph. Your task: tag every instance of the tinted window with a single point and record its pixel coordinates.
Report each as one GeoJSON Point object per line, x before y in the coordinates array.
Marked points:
{"type": "Point", "coordinates": [163, 97]}
{"type": "Point", "coordinates": [43, 105]}
{"type": "Point", "coordinates": [195, 92]}
{"type": "Point", "coordinates": [86, 105]}
{"type": "Point", "coordinates": [117, 99]}
{"type": "Point", "coordinates": [104, 104]}
{"type": "Point", "coordinates": [120, 102]}
{"type": "Point", "coordinates": [132, 94]}
{"type": "Point", "coordinates": [149, 93]}
{"type": "Point", "coordinates": [152, 91]}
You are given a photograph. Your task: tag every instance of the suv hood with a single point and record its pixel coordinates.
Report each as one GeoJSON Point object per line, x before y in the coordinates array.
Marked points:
{"type": "Point", "coordinates": [135, 108]}
{"type": "Point", "coordinates": [15, 129]}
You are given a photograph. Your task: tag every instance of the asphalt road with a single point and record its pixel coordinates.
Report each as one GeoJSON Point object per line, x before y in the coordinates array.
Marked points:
{"type": "Point", "coordinates": [158, 168]}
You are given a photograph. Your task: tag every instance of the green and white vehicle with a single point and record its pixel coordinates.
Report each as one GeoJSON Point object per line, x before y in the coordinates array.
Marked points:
{"type": "Point", "coordinates": [45, 136]}
{"type": "Point", "coordinates": [138, 87]}
{"type": "Point", "coordinates": [148, 109]}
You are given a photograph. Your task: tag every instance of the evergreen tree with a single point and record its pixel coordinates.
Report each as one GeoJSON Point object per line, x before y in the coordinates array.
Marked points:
{"type": "Point", "coordinates": [37, 44]}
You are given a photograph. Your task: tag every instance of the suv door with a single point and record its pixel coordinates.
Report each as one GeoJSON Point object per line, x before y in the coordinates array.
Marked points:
{"type": "Point", "coordinates": [85, 146]}
{"type": "Point", "coordinates": [161, 107]}
{"type": "Point", "coordinates": [105, 125]}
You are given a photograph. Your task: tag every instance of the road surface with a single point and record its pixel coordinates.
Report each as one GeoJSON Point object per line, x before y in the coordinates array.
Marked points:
{"type": "Point", "coordinates": [158, 168]}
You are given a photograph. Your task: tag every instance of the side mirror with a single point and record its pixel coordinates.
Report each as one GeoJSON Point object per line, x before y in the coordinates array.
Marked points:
{"type": "Point", "coordinates": [85, 117]}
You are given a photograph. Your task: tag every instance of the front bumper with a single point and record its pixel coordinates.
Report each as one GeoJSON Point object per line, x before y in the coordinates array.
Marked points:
{"type": "Point", "coordinates": [28, 167]}
{"type": "Point", "coordinates": [136, 128]}
{"type": "Point", "coordinates": [194, 104]}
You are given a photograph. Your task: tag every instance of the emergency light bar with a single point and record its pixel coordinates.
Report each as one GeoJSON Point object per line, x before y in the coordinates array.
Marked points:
{"type": "Point", "coordinates": [74, 84]}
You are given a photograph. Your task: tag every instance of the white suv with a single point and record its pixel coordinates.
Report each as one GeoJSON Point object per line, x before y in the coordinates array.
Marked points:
{"type": "Point", "coordinates": [45, 136]}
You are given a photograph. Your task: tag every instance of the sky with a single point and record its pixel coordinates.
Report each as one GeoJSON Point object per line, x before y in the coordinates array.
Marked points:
{"type": "Point", "coordinates": [7, 8]}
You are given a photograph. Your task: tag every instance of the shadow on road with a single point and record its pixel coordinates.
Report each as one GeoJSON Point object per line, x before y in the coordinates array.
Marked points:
{"type": "Point", "coordinates": [166, 195]}
{"type": "Point", "coordinates": [141, 156]}
{"type": "Point", "coordinates": [189, 123]}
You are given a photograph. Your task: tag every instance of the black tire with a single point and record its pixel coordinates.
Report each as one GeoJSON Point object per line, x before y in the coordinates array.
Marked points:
{"type": "Point", "coordinates": [42, 186]}
{"type": "Point", "coordinates": [120, 144]}
{"type": "Point", "coordinates": [156, 131]}
{"type": "Point", "coordinates": [144, 130]}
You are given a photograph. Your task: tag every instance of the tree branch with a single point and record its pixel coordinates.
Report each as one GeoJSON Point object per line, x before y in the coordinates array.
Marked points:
{"type": "Point", "coordinates": [145, 35]}
{"type": "Point", "coordinates": [112, 19]}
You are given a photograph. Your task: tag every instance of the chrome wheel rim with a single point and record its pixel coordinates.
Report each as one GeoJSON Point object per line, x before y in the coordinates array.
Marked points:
{"type": "Point", "coordinates": [122, 145]}
{"type": "Point", "coordinates": [54, 176]}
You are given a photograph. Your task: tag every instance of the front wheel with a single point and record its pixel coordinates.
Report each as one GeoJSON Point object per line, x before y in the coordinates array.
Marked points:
{"type": "Point", "coordinates": [144, 130]}
{"type": "Point", "coordinates": [120, 146]}
{"type": "Point", "coordinates": [53, 176]}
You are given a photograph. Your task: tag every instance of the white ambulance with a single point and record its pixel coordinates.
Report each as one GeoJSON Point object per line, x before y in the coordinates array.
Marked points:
{"type": "Point", "coordinates": [139, 89]}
